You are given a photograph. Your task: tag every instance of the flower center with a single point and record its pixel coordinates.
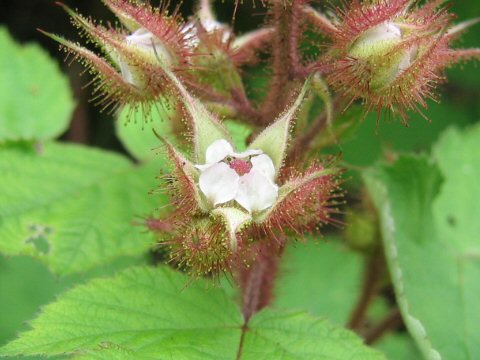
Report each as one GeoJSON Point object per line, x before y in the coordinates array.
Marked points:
{"type": "Point", "coordinates": [242, 167]}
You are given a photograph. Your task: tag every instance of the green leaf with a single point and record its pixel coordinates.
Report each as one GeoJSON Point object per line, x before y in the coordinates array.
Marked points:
{"type": "Point", "coordinates": [430, 232]}
{"type": "Point", "coordinates": [399, 347]}
{"type": "Point", "coordinates": [30, 285]}
{"type": "Point", "coordinates": [73, 207]}
{"type": "Point", "coordinates": [274, 139]}
{"type": "Point", "coordinates": [135, 128]}
{"type": "Point", "coordinates": [147, 313]}
{"type": "Point", "coordinates": [320, 277]}
{"type": "Point", "coordinates": [36, 100]}
{"type": "Point", "coordinates": [239, 133]}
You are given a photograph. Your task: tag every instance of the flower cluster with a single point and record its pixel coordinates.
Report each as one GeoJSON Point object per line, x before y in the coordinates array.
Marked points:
{"type": "Point", "coordinates": [134, 57]}
{"type": "Point", "coordinates": [225, 202]}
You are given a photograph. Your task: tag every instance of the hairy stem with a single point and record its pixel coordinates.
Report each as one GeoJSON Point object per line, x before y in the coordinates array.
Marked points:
{"type": "Point", "coordinates": [257, 281]}
{"type": "Point", "coordinates": [284, 56]}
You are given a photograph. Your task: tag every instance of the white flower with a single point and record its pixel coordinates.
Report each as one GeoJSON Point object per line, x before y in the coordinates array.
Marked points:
{"type": "Point", "coordinates": [246, 177]}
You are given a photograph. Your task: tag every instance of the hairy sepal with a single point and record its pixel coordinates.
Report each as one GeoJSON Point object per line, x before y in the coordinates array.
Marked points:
{"type": "Point", "coordinates": [110, 87]}
{"type": "Point", "coordinates": [234, 220]}
{"type": "Point", "coordinates": [304, 203]}
{"type": "Point", "coordinates": [273, 141]}
{"type": "Point", "coordinates": [181, 183]}
{"type": "Point", "coordinates": [206, 129]}
{"type": "Point", "coordinates": [170, 29]}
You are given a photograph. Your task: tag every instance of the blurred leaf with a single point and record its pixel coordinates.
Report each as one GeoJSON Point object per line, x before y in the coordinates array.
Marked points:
{"type": "Point", "coordinates": [370, 141]}
{"type": "Point", "coordinates": [26, 285]}
{"type": "Point", "coordinates": [239, 132]}
{"type": "Point", "coordinates": [321, 277]}
{"type": "Point", "coordinates": [35, 97]}
{"type": "Point", "coordinates": [399, 347]}
{"type": "Point", "coordinates": [134, 128]}
{"type": "Point", "coordinates": [430, 231]}
{"type": "Point", "coordinates": [73, 207]}
{"type": "Point", "coordinates": [146, 313]}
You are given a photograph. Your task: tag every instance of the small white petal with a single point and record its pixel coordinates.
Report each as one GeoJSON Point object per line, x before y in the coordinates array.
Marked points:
{"type": "Point", "coordinates": [264, 164]}
{"type": "Point", "coordinates": [247, 153]}
{"type": "Point", "coordinates": [256, 192]}
{"type": "Point", "coordinates": [219, 183]}
{"type": "Point", "coordinates": [218, 150]}
{"type": "Point", "coordinates": [382, 32]}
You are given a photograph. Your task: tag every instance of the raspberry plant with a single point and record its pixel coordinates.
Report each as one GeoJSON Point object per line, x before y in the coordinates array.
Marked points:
{"type": "Point", "coordinates": [236, 212]}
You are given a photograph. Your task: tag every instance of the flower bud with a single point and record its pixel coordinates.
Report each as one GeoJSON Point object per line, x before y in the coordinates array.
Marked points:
{"type": "Point", "coordinates": [390, 54]}
{"type": "Point", "coordinates": [133, 70]}
{"type": "Point", "coordinates": [379, 50]}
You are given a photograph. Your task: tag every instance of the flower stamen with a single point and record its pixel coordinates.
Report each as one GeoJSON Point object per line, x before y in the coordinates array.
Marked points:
{"type": "Point", "coordinates": [241, 167]}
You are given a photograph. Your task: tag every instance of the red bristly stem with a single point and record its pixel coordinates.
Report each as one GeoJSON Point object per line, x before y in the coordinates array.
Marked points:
{"type": "Point", "coordinates": [285, 57]}
{"type": "Point", "coordinates": [238, 101]}
{"type": "Point", "coordinates": [257, 281]}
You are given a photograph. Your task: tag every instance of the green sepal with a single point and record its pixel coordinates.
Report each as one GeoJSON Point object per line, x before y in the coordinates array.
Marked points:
{"type": "Point", "coordinates": [234, 219]}
{"type": "Point", "coordinates": [125, 18]}
{"type": "Point", "coordinates": [205, 127]}
{"type": "Point", "coordinates": [273, 141]}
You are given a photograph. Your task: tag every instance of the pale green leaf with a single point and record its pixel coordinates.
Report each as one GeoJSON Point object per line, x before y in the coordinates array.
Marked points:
{"type": "Point", "coordinates": [274, 335]}
{"type": "Point", "coordinates": [73, 207]}
{"type": "Point", "coordinates": [36, 100]}
{"type": "Point", "coordinates": [26, 285]}
{"type": "Point", "coordinates": [399, 347]}
{"type": "Point", "coordinates": [273, 141]}
{"type": "Point", "coordinates": [321, 277]}
{"type": "Point", "coordinates": [147, 313]}
{"type": "Point", "coordinates": [430, 231]}
{"type": "Point", "coordinates": [135, 128]}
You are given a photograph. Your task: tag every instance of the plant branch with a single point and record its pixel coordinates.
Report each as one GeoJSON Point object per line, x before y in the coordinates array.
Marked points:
{"type": "Point", "coordinates": [373, 272]}
{"type": "Point", "coordinates": [392, 321]}
{"type": "Point", "coordinates": [238, 101]}
{"type": "Point", "coordinates": [246, 46]}
{"type": "Point", "coordinates": [284, 56]}
{"type": "Point", "coordinates": [319, 20]}
{"type": "Point", "coordinates": [305, 141]}
{"type": "Point", "coordinates": [257, 281]}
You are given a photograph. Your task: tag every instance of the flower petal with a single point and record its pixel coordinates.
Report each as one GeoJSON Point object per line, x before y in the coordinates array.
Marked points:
{"type": "Point", "coordinates": [218, 150]}
{"type": "Point", "coordinates": [264, 164]}
{"type": "Point", "coordinates": [256, 192]}
{"type": "Point", "coordinates": [247, 153]}
{"type": "Point", "coordinates": [219, 183]}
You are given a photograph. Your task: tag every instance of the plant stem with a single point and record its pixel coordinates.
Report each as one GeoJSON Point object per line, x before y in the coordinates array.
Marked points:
{"type": "Point", "coordinates": [392, 321]}
{"type": "Point", "coordinates": [304, 141]}
{"type": "Point", "coordinates": [257, 281]}
{"type": "Point", "coordinates": [373, 272]}
{"type": "Point", "coordinates": [284, 57]}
